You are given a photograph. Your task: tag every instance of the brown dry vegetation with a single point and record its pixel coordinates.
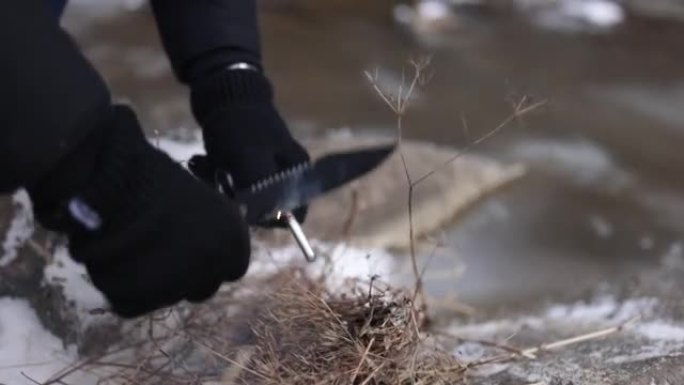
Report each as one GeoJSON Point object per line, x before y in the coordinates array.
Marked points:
{"type": "Point", "coordinates": [286, 328]}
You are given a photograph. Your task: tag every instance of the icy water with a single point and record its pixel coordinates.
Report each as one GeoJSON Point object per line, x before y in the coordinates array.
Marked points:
{"type": "Point", "coordinates": [604, 197]}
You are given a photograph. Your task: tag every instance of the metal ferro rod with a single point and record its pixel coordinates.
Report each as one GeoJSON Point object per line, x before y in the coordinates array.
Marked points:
{"type": "Point", "coordinates": [299, 235]}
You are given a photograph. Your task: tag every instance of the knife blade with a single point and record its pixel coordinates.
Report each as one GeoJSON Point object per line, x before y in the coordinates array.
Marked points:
{"type": "Point", "coordinates": [299, 185]}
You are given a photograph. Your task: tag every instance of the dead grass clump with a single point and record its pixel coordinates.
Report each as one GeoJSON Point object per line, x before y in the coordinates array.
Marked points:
{"type": "Point", "coordinates": [287, 328]}
{"type": "Point", "coordinates": [368, 335]}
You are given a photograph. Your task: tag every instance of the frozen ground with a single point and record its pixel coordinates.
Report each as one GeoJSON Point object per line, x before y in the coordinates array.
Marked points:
{"type": "Point", "coordinates": [28, 351]}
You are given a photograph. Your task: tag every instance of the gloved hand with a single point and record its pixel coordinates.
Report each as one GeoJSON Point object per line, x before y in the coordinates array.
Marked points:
{"type": "Point", "coordinates": [244, 134]}
{"type": "Point", "coordinates": [149, 234]}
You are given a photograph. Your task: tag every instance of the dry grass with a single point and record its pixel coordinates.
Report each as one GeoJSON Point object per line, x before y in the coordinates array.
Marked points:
{"type": "Point", "coordinates": [370, 335]}
{"type": "Point", "coordinates": [287, 328]}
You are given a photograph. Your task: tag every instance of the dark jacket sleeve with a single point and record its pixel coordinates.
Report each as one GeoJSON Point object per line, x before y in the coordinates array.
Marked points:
{"type": "Point", "coordinates": [50, 96]}
{"type": "Point", "coordinates": [199, 35]}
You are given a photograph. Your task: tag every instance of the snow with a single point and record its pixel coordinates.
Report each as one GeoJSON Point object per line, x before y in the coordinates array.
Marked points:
{"type": "Point", "coordinates": [582, 160]}
{"type": "Point", "coordinates": [673, 258]}
{"type": "Point", "coordinates": [404, 13]}
{"type": "Point", "coordinates": [600, 13]}
{"type": "Point", "coordinates": [605, 308]}
{"type": "Point", "coordinates": [425, 11]}
{"type": "Point", "coordinates": [77, 286]}
{"type": "Point", "coordinates": [129, 5]}
{"type": "Point", "coordinates": [26, 347]}
{"type": "Point", "coordinates": [558, 15]}
{"type": "Point", "coordinates": [427, 18]}
{"type": "Point", "coordinates": [177, 150]}
{"type": "Point", "coordinates": [602, 228]}
{"type": "Point", "coordinates": [661, 330]}
{"type": "Point", "coordinates": [602, 311]}
{"type": "Point", "coordinates": [574, 15]}
{"type": "Point", "coordinates": [432, 10]}
{"type": "Point", "coordinates": [20, 230]}
{"type": "Point", "coordinates": [337, 263]}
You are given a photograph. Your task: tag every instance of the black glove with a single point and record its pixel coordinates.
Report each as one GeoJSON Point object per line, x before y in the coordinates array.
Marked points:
{"type": "Point", "coordinates": [149, 234]}
{"type": "Point", "coordinates": [243, 133]}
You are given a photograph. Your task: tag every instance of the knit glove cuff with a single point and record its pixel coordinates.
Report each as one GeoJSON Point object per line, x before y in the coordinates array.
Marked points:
{"type": "Point", "coordinates": [212, 95]}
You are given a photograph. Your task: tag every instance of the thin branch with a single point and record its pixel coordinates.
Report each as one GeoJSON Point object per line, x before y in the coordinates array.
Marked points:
{"type": "Point", "coordinates": [532, 352]}
{"type": "Point", "coordinates": [370, 377]}
{"type": "Point", "coordinates": [373, 81]}
{"type": "Point", "coordinates": [363, 359]}
{"type": "Point", "coordinates": [231, 361]}
{"type": "Point", "coordinates": [30, 379]}
{"type": "Point", "coordinates": [519, 111]}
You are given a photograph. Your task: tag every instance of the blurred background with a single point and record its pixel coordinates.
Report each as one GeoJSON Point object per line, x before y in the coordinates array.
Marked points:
{"type": "Point", "coordinates": [604, 199]}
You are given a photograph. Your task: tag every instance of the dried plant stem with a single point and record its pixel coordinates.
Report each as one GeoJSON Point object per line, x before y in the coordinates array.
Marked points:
{"type": "Point", "coordinates": [520, 109]}
{"type": "Point", "coordinates": [531, 353]}
{"type": "Point", "coordinates": [363, 359]}
{"type": "Point", "coordinates": [40, 250]}
{"type": "Point", "coordinates": [372, 375]}
{"type": "Point", "coordinates": [399, 104]}
{"type": "Point", "coordinates": [229, 360]}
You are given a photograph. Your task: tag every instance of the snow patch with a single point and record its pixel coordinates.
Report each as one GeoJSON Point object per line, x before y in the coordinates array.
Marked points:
{"type": "Point", "coordinates": [26, 347]}
{"type": "Point", "coordinates": [601, 312]}
{"type": "Point", "coordinates": [574, 15]}
{"type": "Point", "coordinates": [600, 13]}
{"type": "Point", "coordinates": [129, 5]}
{"type": "Point", "coordinates": [337, 263]}
{"type": "Point", "coordinates": [583, 161]}
{"type": "Point", "coordinates": [602, 228]}
{"type": "Point", "coordinates": [177, 150]}
{"type": "Point", "coordinates": [660, 330]}
{"type": "Point", "coordinates": [602, 309]}
{"type": "Point", "coordinates": [73, 277]}
{"type": "Point", "coordinates": [21, 228]}
{"type": "Point", "coordinates": [424, 12]}
{"type": "Point", "coordinates": [432, 10]}
{"type": "Point", "coordinates": [673, 258]}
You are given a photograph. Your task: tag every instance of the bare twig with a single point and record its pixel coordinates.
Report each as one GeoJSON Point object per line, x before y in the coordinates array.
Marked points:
{"type": "Point", "coordinates": [520, 109]}
{"type": "Point", "coordinates": [230, 360]}
{"type": "Point", "coordinates": [370, 377]}
{"type": "Point", "coordinates": [531, 353]}
{"type": "Point", "coordinates": [363, 359]}
{"type": "Point", "coordinates": [399, 105]}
